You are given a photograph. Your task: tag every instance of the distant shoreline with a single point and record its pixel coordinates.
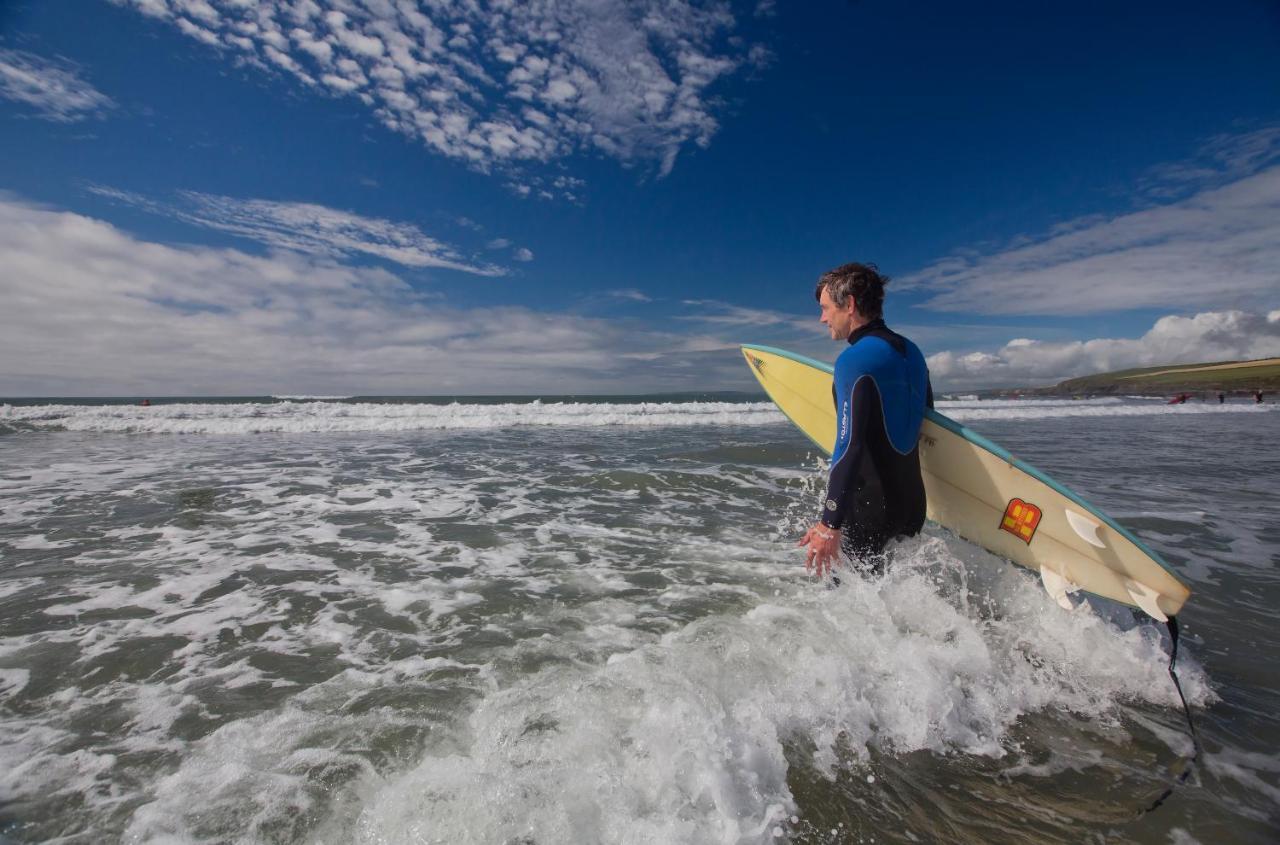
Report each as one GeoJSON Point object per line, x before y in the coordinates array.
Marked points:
{"type": "Point", "coordinates": [1234, 379]}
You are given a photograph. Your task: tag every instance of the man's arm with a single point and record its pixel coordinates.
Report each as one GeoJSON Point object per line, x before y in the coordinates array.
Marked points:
{"type": "Point", "coordinates": [855, 399]}
{"type": "Point", "coordinates": [853, 416]}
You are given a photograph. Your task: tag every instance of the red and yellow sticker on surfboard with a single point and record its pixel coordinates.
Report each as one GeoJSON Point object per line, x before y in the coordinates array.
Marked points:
{"type": "Point", "coordinates": [1020, 519]}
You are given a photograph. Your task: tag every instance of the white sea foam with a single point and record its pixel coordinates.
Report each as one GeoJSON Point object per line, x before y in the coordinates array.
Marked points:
{"type": "Point", "coordinates": [354, 639]}
{"type": "Point", "coordinates": [247, 418]}
{"type": "Point", "coordinates": [304, 397]}
{"type": "Point", "coordinates": [313, 416]}
{"type": "Point", "coordinates": [13, 680]}
{"type": "Point", "coordinates": [1043, 409]}
{"type": "Point", "coordinates": [12, 586]}
{"type": "Point", "coordinates": [681, 738]}
{"type": "Point", "coordinates": [975, 402]}
{"type": "Point", "coordinates": [1254, 770]}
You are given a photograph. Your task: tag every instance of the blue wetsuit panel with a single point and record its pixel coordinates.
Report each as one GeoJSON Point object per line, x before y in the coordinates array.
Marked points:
{"type": "Point", "coordinates": [881, 389]}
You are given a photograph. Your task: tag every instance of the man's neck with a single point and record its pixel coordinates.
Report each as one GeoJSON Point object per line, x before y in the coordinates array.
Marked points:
{"type": "Point", "coordinates": [860, 328]}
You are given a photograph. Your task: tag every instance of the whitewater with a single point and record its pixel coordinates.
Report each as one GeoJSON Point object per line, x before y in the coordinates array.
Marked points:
{"type": "Point", "coordinates": [331, 620]}
{"type": "Point", "coordinates": [404, 416]}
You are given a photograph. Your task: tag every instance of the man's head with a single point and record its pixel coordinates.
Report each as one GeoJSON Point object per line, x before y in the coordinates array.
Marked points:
{"type": "Point", "coordinates": [851, 295]}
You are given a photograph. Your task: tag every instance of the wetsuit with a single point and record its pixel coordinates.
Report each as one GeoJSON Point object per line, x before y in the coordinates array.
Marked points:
{"type": "Point", "coordinates": [875, 491]}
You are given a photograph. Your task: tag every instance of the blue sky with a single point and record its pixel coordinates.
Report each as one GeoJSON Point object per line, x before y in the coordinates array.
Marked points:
{"type": "Point", "coordinates": [387, 196]}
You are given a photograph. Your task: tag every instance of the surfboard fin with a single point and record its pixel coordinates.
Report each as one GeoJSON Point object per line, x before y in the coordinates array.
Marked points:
{"type": "Point", "coordinates": [1145, 598]}
{"type": "Point", "coordinates": [1057, 587]}
{"type": "Point", "coordinates": [1086, 528]}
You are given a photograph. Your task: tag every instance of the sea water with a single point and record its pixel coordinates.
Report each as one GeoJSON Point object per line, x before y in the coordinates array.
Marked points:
{"type": "Point", "coordinates": [587, 621]}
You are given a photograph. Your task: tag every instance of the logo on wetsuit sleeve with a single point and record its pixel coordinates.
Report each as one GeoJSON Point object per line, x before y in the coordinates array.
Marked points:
{"type": "Point", "coordinates": [1020, 519]}
{"type": "Point", "coordinates": [831, 504]}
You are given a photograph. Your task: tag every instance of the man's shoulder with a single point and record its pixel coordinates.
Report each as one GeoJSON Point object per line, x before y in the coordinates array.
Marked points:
{"type": "Point", "coordinates": [850, 358]}
{"type": "Point", "coordinates": [913, 349]}
{"type": "Point", "coordinates": [866, 351]}
{"type": "Point", "coordinates": [876, 356]}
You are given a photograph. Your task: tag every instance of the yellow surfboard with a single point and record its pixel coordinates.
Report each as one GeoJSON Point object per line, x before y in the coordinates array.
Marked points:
{"type": "Point", "coordinates": [992, 499]}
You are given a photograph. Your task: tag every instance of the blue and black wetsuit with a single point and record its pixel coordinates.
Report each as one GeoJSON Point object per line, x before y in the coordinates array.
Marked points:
{"type": "Point", "coordinates": [881, 389]}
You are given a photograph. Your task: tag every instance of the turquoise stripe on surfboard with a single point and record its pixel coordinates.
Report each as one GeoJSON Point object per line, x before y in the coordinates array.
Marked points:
{"type": "Point", "coordinates": [995, 449]}
{"type": "Point", "coordinates": [818, 365]}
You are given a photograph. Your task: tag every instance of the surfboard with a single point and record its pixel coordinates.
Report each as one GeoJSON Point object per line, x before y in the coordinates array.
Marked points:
{"type": "Point", "coordinates": [992, 499]}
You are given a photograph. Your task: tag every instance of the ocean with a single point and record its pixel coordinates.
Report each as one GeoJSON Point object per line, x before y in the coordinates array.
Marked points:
{"type": "Point", "coordinates": [326, 620]}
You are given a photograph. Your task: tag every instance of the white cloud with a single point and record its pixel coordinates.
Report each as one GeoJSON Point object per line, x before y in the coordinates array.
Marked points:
{"type": "Point", "coordinates": [1223, 158]}
{"type": "Point", "coordinates": [1209, 336]}
{"type": "Point", "coordinates": [630, 294]}
{"type": "Point", "coordinates": [1217, 248]}
{"type": "Point", "coordinates": [519, 253]}
{"type": "Point", "coordinates": [54, 89]}
{"type": "Point", "coordinates": [497, 83]}
{"type": "Point", "coordinates": [92, 310]}
{"type": "Point", "coordinates": [310, 228]}
{"type": "Point", "coordinates": [803, 333]}
{"type": "Point", "coordinates": [724, 313]}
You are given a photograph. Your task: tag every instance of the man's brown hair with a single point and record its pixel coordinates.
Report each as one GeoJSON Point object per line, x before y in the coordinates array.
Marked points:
{"type": "Point", "coordinates": [863, 282]}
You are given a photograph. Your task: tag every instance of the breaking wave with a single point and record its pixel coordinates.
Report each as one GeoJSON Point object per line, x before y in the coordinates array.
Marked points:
{"type": "Point", "coordinates": [254, 418]}
{"type": "Point", "coordinates": [327, 416]}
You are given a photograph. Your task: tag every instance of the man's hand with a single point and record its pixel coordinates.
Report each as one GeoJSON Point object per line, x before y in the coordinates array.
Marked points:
{"type": "Point", "coordinates": [824, 549]}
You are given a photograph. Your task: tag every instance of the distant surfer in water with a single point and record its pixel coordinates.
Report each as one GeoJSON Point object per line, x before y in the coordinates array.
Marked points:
{"type": "Point", "coordinates": [874, 491]}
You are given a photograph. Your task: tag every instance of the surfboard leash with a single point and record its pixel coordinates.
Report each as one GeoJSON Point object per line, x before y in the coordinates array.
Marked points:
{"type": "Point", "coordinates": [1188, 763]}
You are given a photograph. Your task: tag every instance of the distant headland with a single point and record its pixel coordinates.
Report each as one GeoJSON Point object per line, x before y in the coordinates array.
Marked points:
{"type": "Point", "coordinates": [1233, 378]}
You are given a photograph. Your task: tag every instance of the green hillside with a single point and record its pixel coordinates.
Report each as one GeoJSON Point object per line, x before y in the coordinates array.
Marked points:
{"type": "Point", "coordinates": [1246, 376]}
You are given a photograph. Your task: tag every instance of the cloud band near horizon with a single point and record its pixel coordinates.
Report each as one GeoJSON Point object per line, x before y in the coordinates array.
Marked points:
{"type": "Point", "coordinates": [93, 310]}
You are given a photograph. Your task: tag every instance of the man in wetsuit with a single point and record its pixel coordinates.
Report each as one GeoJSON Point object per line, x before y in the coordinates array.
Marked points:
{"type": "Point", "coordinates": [874, 492]}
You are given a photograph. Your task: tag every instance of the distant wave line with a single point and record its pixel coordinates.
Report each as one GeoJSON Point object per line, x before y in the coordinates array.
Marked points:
{"type": "Point", "coordinates": [197, 418]}
{"type": "Point", "coordinates": [319, 417]}
{"type": "Point", "coordinates": [310, 398]}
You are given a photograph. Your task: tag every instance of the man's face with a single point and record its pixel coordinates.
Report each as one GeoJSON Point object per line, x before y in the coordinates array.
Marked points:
{"type": "Point", "coordinates": [839, 321]}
